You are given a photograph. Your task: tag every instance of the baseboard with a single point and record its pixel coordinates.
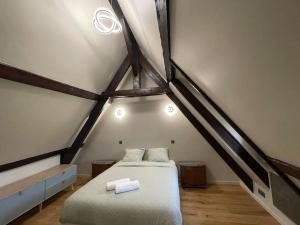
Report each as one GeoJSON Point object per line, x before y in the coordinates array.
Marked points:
{"type": "Point", "coordinates": [224, 182]}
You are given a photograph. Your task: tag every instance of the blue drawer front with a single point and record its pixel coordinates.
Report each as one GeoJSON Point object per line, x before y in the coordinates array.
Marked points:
{"type": "Point", "coordinates": [19, 203]}
{"type": "Point", "coordinates": [52, 181]}
{"type": "Point", "coordinates": [59, 186]}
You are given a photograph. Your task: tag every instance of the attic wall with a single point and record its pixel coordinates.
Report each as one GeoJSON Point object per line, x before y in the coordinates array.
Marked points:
{"type": "Point", "coordinates": [56, 39]}
{"type": "Point", "coordinates": [245, 55]}
{"type": "Point", "coordinates": [35, 121]}
{"type": "Point", "coordinates": [147, 125]}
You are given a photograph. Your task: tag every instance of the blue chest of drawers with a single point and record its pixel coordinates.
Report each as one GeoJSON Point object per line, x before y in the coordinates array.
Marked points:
{"type": "Point", "coordinates": [21, 196]}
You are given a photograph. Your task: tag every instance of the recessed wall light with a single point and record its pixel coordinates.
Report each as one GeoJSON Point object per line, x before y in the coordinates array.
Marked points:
{"type": "Point", "coordinates": [106, 22]}
{"type": "Point", "coordinates": [120, 112]}
{"type": "Point", "coordinates": [170, 110]}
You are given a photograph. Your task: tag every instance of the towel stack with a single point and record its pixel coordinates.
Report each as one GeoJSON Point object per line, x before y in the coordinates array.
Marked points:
{"type": "Point", "coordinates": [122, 185]}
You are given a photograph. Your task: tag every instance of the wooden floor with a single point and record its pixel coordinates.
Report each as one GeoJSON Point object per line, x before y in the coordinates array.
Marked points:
{"type": "Point", "coordinates": [222, 205]}
{"type": "Point", "coordinates": [216, 205]}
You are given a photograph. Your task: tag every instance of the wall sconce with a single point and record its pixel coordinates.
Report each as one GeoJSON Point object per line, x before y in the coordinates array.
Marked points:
{"type": "Point", "coordinates": [170, 110]}
{"type": "Point", "coordinates": [120, 113]}
{"type": "Point", "coordinates": [106, 22]}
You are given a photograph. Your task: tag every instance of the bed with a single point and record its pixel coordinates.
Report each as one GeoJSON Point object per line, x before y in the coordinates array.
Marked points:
{"type": "Point", "coordinates": [157, 202]}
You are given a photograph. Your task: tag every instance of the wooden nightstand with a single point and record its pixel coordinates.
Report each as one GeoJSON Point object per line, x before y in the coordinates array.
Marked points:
{"type": "Point", "coordinates": [99, 166]}
{"type": "Point", "coordinates": [192, 174]}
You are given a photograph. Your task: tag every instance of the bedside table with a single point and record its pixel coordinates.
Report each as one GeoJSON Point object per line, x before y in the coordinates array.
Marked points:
{"type": "Point", "coordinates": [192, 174]}
{"type": "Point", "coordinates": [99, 166]}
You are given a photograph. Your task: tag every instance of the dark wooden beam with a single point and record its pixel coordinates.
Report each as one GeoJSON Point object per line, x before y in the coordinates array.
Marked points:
{"type": "Point", "coordinates": [287, 168]}
{"type": "Point", "coordinates": [131, 44]}
{"type": "Point", "coordinates": [151, 72]}
{"type": "Point", "coordinates": [164, 30]}
{"type": "Point", "coordinates": [214, 143]}
{"type": "Point", "coordinates": [224, 134]}
{"type": "Point", "coordinates": [119, 75]}
{"type": "Point", "coordinates": [239, 131]}
{"type": "Point", "coordinates": [137, 80]}
{"type": "Point", "coordinates": [136, 92]}
{"type": "Point", "coordinates": [16, 164]}
{"type": "Point", "coordinates": [14, 74]}
{"type": "Point", "coordinates": [67, 156]}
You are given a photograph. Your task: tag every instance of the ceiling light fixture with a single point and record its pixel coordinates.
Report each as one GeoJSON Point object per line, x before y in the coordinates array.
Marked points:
{"type": "Point", "coordinates": [106, 22]}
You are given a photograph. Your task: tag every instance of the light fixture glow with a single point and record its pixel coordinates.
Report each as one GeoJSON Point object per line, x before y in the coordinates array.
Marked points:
{"type": "Point", "coordinates": [170, 110]}
{"type": "Point", "coordinates": [120, 113]}
{"type": "Point", "coordinates": [106, 22]}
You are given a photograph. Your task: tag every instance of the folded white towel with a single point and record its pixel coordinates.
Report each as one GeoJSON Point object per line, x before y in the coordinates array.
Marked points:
{"type": "Point", "coordinates": [112, 184]}
{"type": "Point", "coordinates": [128, 186]}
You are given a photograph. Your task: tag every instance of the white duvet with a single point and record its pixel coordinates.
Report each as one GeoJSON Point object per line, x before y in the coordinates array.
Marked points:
{"type": "Point", "coordinates": [157, 201]}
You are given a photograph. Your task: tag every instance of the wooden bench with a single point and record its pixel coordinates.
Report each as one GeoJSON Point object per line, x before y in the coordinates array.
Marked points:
{"type": "Point", "coordinates": [19, 197]}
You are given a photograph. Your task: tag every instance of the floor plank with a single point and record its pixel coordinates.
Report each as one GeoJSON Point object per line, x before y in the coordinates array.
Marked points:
{"type": "Point", "coordinates": [215, 205]}
{"type": "Point", "coordinates": [222, 205]}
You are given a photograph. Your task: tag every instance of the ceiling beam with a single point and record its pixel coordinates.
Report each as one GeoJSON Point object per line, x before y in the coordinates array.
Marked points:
{"type": "Point", "coordinates": [223, 132]}
{"type": "Point", "coordinates": [67, 156]}
{"type": "Point", "coordinates": [287, 168]}
{"type": "Point", "coordinates": [151, 72]}
{"type": "Point", "coordinates": [131, 44]}
{"type": "Point", "coordinates": [164, 30]}
{"type": "Point", "coordinates": [23, 162]}
{"type": "Point", "coordinates": [136, 92]}
{"type": "Point", "coordinates": [257, 149]}
{"type": "Point", "coordinates": [14, 74]}
{"type": "Point", "coordinates": [213, 142]}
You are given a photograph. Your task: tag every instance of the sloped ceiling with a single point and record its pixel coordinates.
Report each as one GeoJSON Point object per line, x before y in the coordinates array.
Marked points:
{"type": "Point", "coordinates": [142, 19]}
{"type": "Point", "coordinates": [244, 54]}
{"type": "Point", "coordinates": [54, 39]}
{"type": "Point", "coordinates": [35, 121]}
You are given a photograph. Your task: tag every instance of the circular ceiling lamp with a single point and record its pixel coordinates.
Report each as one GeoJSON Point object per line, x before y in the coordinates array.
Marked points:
{"type": "Point", "coordinates": [106, 22]}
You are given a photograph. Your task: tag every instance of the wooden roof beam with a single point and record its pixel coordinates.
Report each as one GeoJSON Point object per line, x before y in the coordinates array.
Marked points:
{"type": "Point", "coordinates": [136, 92]}
{"type": "Point", "coordinates": [14, 74]}
{"type": "Point", "coordinates": [131, 44]}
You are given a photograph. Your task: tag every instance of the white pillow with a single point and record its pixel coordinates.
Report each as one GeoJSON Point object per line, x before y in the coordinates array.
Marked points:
{"type": "Point", "coordinates": [133, 154]}
{"type": "Point", "coordinates": [158, 155]}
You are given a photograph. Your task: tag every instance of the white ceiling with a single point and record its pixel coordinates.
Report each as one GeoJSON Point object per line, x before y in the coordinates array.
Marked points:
{"type": "Point", "coordinates": [56, 39]}
{"type": "Point", "coordinates": [142, 19]}
{"type": "Point", "coordinates": [245, 55]}
{"type": "Point", "coordinates": [35, 121]}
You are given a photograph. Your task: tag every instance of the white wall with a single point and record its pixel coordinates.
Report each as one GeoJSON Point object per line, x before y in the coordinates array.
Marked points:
{"type": "Point", "coordinates": [54, 39]}
{"type": "Point", "coordinates": [35, 121]}
{"type": "Point", "coordinates": [245, 55]}
{"type": "Point", "coordinates": [21, 172]}
{"type": "Point", "coordinates": [147, 125]}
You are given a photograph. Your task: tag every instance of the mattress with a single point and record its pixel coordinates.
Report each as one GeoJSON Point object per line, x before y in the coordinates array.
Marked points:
{"type": "Point", "coordinates": [157, 202]}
